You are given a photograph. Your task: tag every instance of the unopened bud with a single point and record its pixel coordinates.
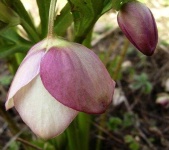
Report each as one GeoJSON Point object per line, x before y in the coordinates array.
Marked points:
{"type": "Point", "coordinates": [138, 24]}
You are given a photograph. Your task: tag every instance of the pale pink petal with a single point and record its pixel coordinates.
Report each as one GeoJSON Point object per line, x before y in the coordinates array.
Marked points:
{"type": "Point", "coordinates": [39, 46]}
{"type": "Point", "coordinates": [28, 69]}
{"type": "Point", "coordinates": [76, 77]}
{"type": "Point", "coordinates": [45, 116]}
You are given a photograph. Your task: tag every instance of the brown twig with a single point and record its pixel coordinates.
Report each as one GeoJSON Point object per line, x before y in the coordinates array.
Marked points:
{"type": "Point", "coordinates": [5, 115]}
{"type": "Point", "coordinates": [108, 133]}
{"type": "Point", "coordinates": [28, 143]}
{"type": "Point", "coordinates": [13, 139]}
{"type": "Point", "coordinates": [137, 126]}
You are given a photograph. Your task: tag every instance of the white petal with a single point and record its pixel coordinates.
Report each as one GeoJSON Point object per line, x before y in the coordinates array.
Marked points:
{"type": "Point", "coordinates": [26, 72]}
{"type": "Point", "coordinates": [45, 116]}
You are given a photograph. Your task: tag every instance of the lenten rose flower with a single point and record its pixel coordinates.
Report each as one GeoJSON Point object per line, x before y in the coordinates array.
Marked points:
{"type": "Point", "coordinates": [138, 24]}
{"type": "Point", "coordinates": [57, 79]}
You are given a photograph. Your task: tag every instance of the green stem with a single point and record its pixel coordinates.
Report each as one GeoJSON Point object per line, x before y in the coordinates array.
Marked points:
{"type": "Point", "coordinates": [59, 141]}
{"type": "Point", "coordinates": [100, 133]}
{"type": "Point", "coordinates": [84, 124]}
{"type": "Point", "coordinates": [81, 38]}
{"type": "Point", "coordinates": [80, 127]}
{"type": "Point", "coordinates": [52, 13]}
{"type": "Point", "coordinates": [122, 56]}
{"type": "Point", "coordinates": [115, 77]}
{"type": "Point", "coordinates": [73, 136]}
{"type": "Point", "coordinates": [87, 41]}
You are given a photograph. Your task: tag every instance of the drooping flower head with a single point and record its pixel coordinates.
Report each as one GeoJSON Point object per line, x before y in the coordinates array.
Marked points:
{"type": "Point", "coordinates": [138, 24]}
{"type": "Point", "coordinates": [56, 80]}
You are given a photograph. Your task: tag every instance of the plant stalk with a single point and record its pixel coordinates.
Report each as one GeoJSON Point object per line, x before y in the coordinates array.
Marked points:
{"type": "Point", "coordinates": [73, 136]}
{"type": "Point", "coordinates": [52, 13]}
{"type": "Point", "coordinates": [103, 117]}
{"type": "Point", "coordinates": [84, 124]}
{"type": "Point", "coordinates": [122, 56]}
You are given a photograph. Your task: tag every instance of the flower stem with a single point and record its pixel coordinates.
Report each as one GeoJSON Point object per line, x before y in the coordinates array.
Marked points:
{"type": "Point", "coordinates": [73, 136]}
{"type": "Point", "coordinates": [84, 124]}
{"type": "Point", "coordinates": [122, 56]}
{"type": "Point", "coordinates": [102, 124]}
{"type": "Point", "coordinates": [103, 117]}
{"type": "Point", "coordinates": [51, 18]}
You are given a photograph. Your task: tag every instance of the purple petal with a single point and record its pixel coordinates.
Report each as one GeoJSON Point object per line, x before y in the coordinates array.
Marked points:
{"type": "Point", "coordinates": [76, 77]}
{"type": "Point", "coordinates": [45, 116]}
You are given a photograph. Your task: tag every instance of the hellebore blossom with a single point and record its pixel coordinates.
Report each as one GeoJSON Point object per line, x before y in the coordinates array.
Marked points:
{"type": "Point", "coordinates": [138, 24]}
{"type": "Point", "coordinates": [57, 79]}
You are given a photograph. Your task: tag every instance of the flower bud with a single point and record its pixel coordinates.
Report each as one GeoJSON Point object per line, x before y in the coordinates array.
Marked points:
{"type": "Point", "coordinates": [163, 100]}
{"type": "Point", "coordinates": [55, 81]}
{"type": "Point", "coordinates": [138, 24]}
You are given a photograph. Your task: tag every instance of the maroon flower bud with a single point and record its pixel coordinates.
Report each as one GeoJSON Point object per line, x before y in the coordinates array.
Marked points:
{"type": "Point", "coordinates": [138, 24]}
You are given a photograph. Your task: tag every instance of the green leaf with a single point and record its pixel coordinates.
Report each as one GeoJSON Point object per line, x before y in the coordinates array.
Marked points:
{"type": "Point", "coordinates": [3, 26]}
{"type": "Point", "coordinates": [43, 6]}
{"type": "Point", "coordinates": [85, 14]}
{"type": "Point", "coordinates": [7, 15]}
{"type": "Point", "coordinates": [20, 9]}
{"type": "Point", "coordinates": [136, 86]}
{"type": "Point", "coordinates": [129, 119]}
{"type": "Point", "coordinates": [114, 123]}
{"type": "Point", "coordinates": [8, 50]}
{"type": "Point", "coordinates": [107, 6]}
{"type": "Point", "coordinates": [148, 87]}
{"type": "Point", "coordinates": [12, 37]}
{"type": "Point", "coordinates": [13, 43]}
{"type": "Point", "coordinates": [128, 139]}
{"type": "Point", "coordinates": [116, 4]}
{"type": "Point", "coordinates": [45, 145]}
{"type": "Point", "coordinates": [134, 146]}
{"type": "Point", "coordinates": [14, 146]}
{"type": "Point", "coordinates": [141, 82]}
{"type": "Point", "coordinates": [63, 21]}
{"type": "Point", "coordinates": [25, 19]}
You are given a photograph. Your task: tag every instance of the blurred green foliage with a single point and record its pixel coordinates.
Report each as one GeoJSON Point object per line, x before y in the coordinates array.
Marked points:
{"type": "Point", "coordinates": [6, 80]}
{"type": "Point", "coordinates": [117, 123]}
{"type": "Point", "coordinates": [114, 123]}
{"type": "Point", "coordinates": [14, 146]}
{"type": "Point", "coordinates": [142, 83]}
{"type": "Point", "coordinates": [133, 144]}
